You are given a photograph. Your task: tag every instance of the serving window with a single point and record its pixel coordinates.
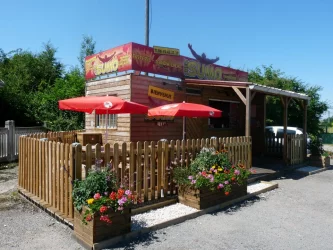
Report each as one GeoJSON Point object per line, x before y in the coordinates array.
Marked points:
{"type": "Point", "coordinates": [230, 114]}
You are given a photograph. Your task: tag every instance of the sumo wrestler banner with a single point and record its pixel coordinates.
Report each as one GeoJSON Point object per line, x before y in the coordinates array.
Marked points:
{"type": "Point", "coordinates": [138, 57]}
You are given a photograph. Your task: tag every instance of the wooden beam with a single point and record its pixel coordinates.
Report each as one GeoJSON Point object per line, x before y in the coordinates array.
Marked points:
{"type": "Point", "coordinates": [305, 118]}
{"type": "Point", "coordinates": [282, 101]}
{"type": "Point", "coordinates": [248, 112]}
{"type": "Point", "coordinates": [240, 95]}
{"type": "Point", "coordinates": [253, 95]}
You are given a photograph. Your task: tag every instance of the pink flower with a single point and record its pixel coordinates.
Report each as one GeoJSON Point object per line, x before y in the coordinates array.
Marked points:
{"type": "Point", "coordinates": [97, 196]}
{"type": "Point", "coordinates": [128, 192]}
{"type": "Point", "coordinates": [237, 172]}
{"type": "Point", "coordinates": [193, 181]}
{"type": "Point", "coordinates": [220, 186]}
{"type": "Point", "coordinates": [120, 208]}
{"type": "Point", "coordinates": [190, 177]}
{"type": "Point", "coordinates": [226, 182]}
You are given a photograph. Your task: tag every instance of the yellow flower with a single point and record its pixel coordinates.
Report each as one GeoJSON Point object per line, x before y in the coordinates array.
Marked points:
{"type": "Point", "coordinates": [213, 166]}
{"type": "Point", "coordinates": [90, 201]}
{"type": "Point", "coordinates": [219, 169]}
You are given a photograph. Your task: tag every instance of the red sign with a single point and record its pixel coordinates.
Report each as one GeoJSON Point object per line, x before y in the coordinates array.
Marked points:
{"type": "Point", "coordinates": [138, 57]}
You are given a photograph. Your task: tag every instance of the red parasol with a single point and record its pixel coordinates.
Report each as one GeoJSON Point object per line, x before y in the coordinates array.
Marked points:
{"type": "Point", "coordinates": [185, 109]}
{"type": "Point", "coordinates": [102, 105]}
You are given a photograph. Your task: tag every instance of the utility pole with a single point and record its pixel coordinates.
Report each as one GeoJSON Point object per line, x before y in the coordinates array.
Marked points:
{"type": "Point", "coordinates": [147, 23]}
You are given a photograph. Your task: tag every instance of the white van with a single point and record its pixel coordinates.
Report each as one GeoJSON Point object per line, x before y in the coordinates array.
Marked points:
{"type": "Point", "coordinates": [278, 130]}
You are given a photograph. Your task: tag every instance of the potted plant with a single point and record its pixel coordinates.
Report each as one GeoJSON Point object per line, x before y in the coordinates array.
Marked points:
{"type": "Point", "coordinates": [318, 157]}
{"type": "Point", "coordinates": [210, 179]}
{"type": "Point", "coordinates": [102, 208]}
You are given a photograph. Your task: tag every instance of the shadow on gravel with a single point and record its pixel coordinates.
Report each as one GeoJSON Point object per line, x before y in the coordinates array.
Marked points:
{"type": "Point", "coordinates": [297, 175]}
{"type": "Point", "coordinates": [143, 240]}
{"type": "Point", "coordinates": [237, 206]}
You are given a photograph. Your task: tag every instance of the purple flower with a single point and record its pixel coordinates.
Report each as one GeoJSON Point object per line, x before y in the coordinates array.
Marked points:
{"type": "Point", "coordinates": [221, 185]}
{"type": "Point", "coordinates": [120, 208]}
{"type": "Point", "coordinates": [128, 192]}
{"type": "Point", "coordinates": [190, 177]}
{"type": "Point", "coordinates": [237, 172]}
{"type": "Point", "coordinates": [193, 181]}
{"type": "Point", "coordinates": [212, 179]}
{"type": "Point", "coordinates": [121, 202]}
{"type": "Point", "coordinates": [106, 193]}
{"type": "Point", "coordinates": [226, 182]}
{"type": "Point", "coordinates": [124, 199]}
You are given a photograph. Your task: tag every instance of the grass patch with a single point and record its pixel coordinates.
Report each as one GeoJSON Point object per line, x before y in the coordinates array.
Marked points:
{"type": "Point", "coordinates": [8, 165]}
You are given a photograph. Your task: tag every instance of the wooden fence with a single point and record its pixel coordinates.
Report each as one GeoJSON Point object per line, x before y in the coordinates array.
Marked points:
{"type": "Point", "coordinates": [47, 168]}
{"type": "Point", "coordinates": [296, 149]}
{"type": "Point", "coordinates": [274, 144]}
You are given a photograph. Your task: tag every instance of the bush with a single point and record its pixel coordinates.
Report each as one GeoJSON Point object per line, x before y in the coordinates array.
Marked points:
{"type": "Point", "coordinates": [316, 146]}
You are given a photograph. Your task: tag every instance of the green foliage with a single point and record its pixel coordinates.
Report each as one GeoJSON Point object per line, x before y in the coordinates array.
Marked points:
{"type": "Point", "coordinates": [268, 76]}
{"type": "Point", "coordinates": [316, 146]}
{"type": "Point", "coordinates": [211, 169]}
{"type": "Point", "coordinates": [96, 182]}
{"type": "Point", "coordinates": [87, 48]}
{"type": "Point", "coordinates": [35, 82]}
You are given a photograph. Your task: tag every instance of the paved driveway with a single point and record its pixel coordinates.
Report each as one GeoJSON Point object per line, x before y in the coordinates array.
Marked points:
{"type": "Point", "coordinates": [297, 215]}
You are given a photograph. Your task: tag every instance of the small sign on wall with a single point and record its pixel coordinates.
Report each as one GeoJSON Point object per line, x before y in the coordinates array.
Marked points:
{"type": "Point", "coordinates": [162, 94]}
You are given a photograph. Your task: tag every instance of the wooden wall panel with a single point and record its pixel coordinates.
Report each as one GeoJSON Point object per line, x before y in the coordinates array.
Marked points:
{"type": "Point", "coordinates": [119, 86]}
{"type": "Point", "coordinates": [142, 130]}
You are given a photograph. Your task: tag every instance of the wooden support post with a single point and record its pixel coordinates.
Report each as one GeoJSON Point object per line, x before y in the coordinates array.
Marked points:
{"type": "Point", "coordinates": [305, 120]}
{"type": "Point", "coordinates": [285, 104]}
{"type": "Point", "coordinates": [248, 112]}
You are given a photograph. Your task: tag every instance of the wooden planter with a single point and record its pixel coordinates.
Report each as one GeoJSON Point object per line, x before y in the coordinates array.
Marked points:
{"type": "Point", "coordinates": [96, 230]}
{"type": "Point", "coordinates": [319, 161]}
{"type": "Point", "coordinates": [201, 199]}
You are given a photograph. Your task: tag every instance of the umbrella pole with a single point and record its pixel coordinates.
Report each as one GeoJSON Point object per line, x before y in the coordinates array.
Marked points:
{"type": "Point", "coordinates": [184, 125]}
{"type": "Point", "coordinates": [106, 127]}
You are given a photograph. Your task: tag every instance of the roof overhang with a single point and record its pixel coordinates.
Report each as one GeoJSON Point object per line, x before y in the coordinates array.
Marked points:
{"type": "Point", "coordinates": [253, 86]}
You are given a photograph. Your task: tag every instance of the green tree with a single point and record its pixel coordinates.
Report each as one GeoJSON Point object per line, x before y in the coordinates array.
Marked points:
{"type": "Point", "coordinates": [87, 48]}
{"type": "Point", "coordinates": [268, 76]}
{"type": "Point", "coordinates": [46, 103]}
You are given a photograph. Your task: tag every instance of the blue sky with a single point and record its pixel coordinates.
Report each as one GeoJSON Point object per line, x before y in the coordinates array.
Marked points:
{"type": "Point", "coordinates": [292, 35]}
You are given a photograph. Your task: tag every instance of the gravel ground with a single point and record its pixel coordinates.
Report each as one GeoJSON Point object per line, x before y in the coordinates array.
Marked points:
{"type": "Point", "coordinates": [328, 147]}
{"type": "Point", "coordinates": [297, 215]}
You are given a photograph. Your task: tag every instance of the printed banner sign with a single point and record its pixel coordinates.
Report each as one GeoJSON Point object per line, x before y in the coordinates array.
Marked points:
{"type": "Point", "coordinates": [133, 56]}
{"type": "Point", "coordinates": [166, 51]}
{"type": "Point", "coordinates": [162, 94]}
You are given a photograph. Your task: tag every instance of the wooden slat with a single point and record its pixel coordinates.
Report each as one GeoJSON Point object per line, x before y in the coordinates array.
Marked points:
{"type": "Point", "coordinates": [116, 160]}
{"type": "Point", "coordinates": [159, 166]}
{"type": "Point", "coordinates": [66, 177]}
{"type": "Point", "coordinates": [89, 158]}
{"type": "Point", "coordinates": [61, 177]}
{"type": "Point", "coordinates": [166, 169]}
{"type": "Point", "coordinates": [50, 172]}
{"type": "Point", "coordinates": [145, 170]}
{"type": "Point", "coordinates": [107, 154]}
{"type": "Point", "coordinates": [78, 162]}
{"type": "Point", "coordinates": [71, 174]}
{"type": "Point", "coordinates": [123, 161]}
{"type": "Point", "coordinates": [139, 169]}
{"type": "Point", "coordinates": [152, 170]}
{"type": "Point", "coordinates": [132, 167]}
{"type": "Point", "coordinates": [55, 174]}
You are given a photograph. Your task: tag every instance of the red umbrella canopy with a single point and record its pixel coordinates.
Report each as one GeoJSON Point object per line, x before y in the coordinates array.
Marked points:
{"type": "Point", "coordinates": [185, 109]}
{"type": "Point", "coordinates": [102, 105]}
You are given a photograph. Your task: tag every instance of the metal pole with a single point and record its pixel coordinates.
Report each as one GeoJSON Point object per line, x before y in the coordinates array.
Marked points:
{"type": "Point", "coordinates": [147, 23]}
{"type": "Point", "coordinates": [184, 128]}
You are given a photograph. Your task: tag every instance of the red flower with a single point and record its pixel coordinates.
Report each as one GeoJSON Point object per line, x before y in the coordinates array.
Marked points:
{"type": "Point", "coordinates": [120, 193]}
{"type": "Point", "coordinates": [203, 173]}
{"type": "Point", "coordinates": [103, 209]}
{"type": "Point", "coordinates": [88, 217]}
{"type": "Point", "coordinates": [233, 178]}
{"type": "Point", "coordinates": [113, 196]}
{"type": "Point", "coordinates": [226, 193]}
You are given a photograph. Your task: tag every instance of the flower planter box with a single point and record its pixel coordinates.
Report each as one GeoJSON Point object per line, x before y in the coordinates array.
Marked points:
{"type": "Point", "coordinates": [96, 230]}
{"type": "Point", "coordinates": [319, 161]}
{"type": "Point", "coordinates": [204, 198]}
